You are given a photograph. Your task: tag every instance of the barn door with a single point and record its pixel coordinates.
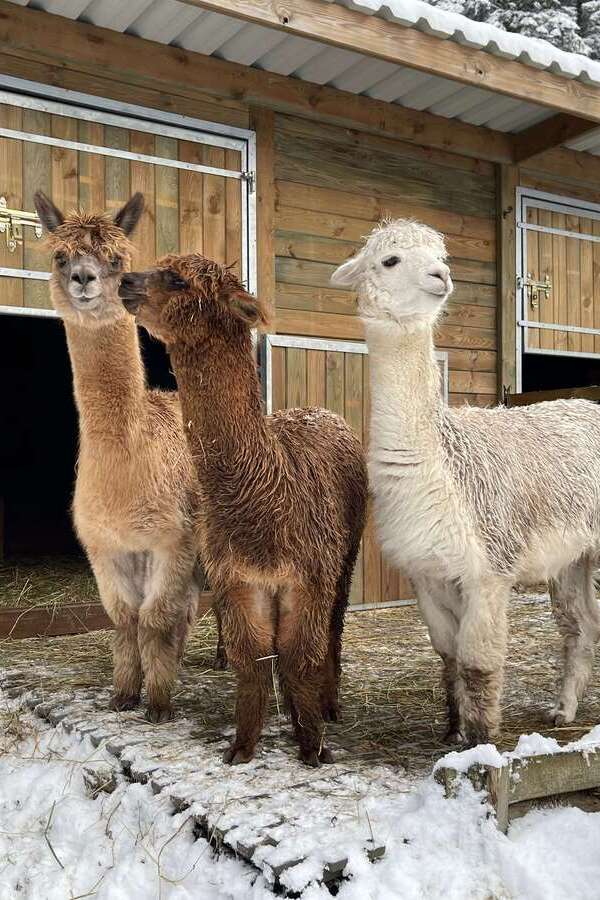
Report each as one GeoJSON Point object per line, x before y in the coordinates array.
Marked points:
{"type": "Point", "coordinates": [195, 183]}
{"type": "Point", "coordinates": [558, 277]}
{"type": "Point", "coordinates": [301, 371]}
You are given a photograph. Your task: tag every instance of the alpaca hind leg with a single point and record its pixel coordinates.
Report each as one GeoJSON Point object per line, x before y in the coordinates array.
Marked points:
{"type": "Point", "coordinates": [248, 636]}
{"type": "Point", "coordinates": [163, 626]}
{"type": "Point", "coordinates": [577, 615]}
{"type": "Point", "coordinates": [333, 663]}
{"type": "Point", "coordinates": [480, 658]}
{"type": "Point", "coordinates": [438, 602]}
{"type": "Point", "coordinates": [220, 661]}
{"type": "Point", "coordinates": [121, 600]}
{"type": "Point", "coordinates": [330, 707]}
{"type": "Point", "coordinates": [303, 645]}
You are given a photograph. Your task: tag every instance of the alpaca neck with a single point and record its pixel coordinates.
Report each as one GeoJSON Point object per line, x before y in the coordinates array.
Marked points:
{"type": "Point", "coordinates": [406, 401]}
{"type": "Point", "coordinates": [108, 380]}
{"type": "Point", "coordinates": [220, 401]}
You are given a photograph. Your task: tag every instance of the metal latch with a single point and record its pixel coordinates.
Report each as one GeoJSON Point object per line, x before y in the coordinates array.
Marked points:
{"type": "Point", "coordinates": [12, 221]}
{"type": "Point", "coordinates": [250, 179]}
{"type": "Point", "coordinates": [533, 289]}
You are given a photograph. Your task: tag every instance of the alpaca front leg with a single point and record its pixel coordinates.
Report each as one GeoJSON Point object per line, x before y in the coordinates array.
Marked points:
{"type": "Point", "coordinates": [121, 600]}
{"type": "Point", "coordinates": [439, 603]}
{"type": "Point", "coordinates": [249, 639]}
{"type": "Point", "coordinates": [163, 626]}
{"type": "Point", "coordinates": [307, 647]}
{"type": "Point", "coordinates": [480, 659]}
{"type": "Point", "coordinates": [577, 615]}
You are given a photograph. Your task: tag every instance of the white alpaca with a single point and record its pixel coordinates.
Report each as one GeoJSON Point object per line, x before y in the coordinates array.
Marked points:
{"type": "Point", "coordinates": [469, 501]}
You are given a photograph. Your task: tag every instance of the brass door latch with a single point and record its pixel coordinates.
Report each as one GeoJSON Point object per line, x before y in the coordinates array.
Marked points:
{"type": "Point", "coordinates": [12, 222]}
{"type": "Point", "coordinates": [533, 289]}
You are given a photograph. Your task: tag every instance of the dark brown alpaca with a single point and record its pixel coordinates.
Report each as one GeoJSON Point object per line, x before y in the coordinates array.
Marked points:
{"type": "Point", "coordinates": [283, 499]}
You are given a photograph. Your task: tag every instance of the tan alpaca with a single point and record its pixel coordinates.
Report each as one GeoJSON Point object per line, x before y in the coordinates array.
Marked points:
{"type": "Point", "coordinates": [284, 500]}
{"type": "Point", "coordinates": [136, 492]}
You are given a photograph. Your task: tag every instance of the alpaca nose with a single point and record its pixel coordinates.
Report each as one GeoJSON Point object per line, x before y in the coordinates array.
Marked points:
{"type": "Point", "coordinates": [441, 271]}
{"type": "Point", "coordinates": [83, 276]}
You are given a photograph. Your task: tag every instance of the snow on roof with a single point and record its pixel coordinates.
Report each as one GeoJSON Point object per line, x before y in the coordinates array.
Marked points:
{"type": "Point", "coordinates": [451, 26]}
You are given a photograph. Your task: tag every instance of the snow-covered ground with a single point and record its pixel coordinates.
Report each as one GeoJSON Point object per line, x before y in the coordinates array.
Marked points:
{"type": "Point", "coordinates": [58, 842]}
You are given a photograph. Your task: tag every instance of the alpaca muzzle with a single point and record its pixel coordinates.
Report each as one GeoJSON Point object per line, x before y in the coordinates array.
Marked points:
{"type": "Point", "coordinates": [132, 291]}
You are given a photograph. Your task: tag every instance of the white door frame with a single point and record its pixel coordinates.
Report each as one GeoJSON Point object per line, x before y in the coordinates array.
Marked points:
{"type": "Point", "coordinates": [312, 343]}
{"type": "Point", "coordinates": [72, 104]}
{"type": "Point", "coordinates": [529, 198]}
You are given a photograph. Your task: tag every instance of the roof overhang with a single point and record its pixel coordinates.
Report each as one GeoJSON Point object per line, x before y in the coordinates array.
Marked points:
{"type": "Point", "coordinates": [315, 49]}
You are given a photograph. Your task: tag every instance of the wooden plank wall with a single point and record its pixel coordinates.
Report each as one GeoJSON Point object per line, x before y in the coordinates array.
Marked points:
{"type": "Point", "coordinates": [332, 185]}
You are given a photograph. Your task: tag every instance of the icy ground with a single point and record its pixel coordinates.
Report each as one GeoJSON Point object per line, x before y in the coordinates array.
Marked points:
{"type": "Point", "coordinates": [58, 842]}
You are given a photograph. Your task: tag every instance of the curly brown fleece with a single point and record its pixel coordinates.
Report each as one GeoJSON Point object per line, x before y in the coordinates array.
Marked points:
{"type": "Point", "coordinates": [283, 496]}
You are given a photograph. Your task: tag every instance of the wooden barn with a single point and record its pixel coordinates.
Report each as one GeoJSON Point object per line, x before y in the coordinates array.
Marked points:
{"type": "Point", "coordinates": [272, 136]}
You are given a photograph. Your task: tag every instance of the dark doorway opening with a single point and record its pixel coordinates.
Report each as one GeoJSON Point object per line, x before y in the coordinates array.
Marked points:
{"type": "Point", "coordinates": [542, 372]}
{"type": "Point", "coordinates": [38, 424]}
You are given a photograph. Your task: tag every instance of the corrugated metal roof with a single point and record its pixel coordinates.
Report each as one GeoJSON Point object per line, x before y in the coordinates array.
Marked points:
{"type": "Point", "coordinates": [450, 26]}
{"type": "Point", "coordinates": [210, 33]}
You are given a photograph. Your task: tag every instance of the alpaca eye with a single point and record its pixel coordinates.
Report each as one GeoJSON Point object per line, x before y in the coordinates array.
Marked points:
{"type": "Point", "coordinates": [115, 263]}
{"type": "Point", "coordinates": [61, 259]}
{"type": "Point", "coordinates": [391, 261]}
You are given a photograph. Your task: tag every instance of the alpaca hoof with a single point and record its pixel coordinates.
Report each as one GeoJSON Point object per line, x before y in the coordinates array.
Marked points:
{"type": "Point", "coordinates": [235, 756]}
{"type": "Point", "coordinates": [477, 733]}
{"type": "Point", "coordinates": [326, 756]}
{"type": "Point", "coordinates": [122, 702]}
{"type": "Point", "coordinates": [316, 758]}
{"type": "Point", "coordinates": [310, 758]}
{"type": "Point", "coordinates": [454, 736]}
{"type": "Point", "coordinates": [159, 714]}
{"type": "Point", "coordinates": [220, 662]}
{"type": "Point", "coordinates": [331, 712]}
{"type": "Point", "coordinates": [561, 714]}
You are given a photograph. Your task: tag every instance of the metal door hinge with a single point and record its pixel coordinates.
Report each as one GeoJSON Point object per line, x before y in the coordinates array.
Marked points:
{"type": "Point", "coordinates": [533, 289]}
{"type": "Point", "coordinates": [12, 222]}
{"type": "Point", "coordinates": [250, 178]}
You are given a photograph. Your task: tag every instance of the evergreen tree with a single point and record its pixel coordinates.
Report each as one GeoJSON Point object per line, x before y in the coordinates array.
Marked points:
{"type": "Point", "coordinates": [574, 27]}
{"type": "Point", "coordinates": [589, 12]}
{"type": "Point", "coordinates": [549, 20]}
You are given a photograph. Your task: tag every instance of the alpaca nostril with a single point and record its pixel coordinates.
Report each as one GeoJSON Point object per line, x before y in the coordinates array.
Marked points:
{"type": "Point", "coordinates": [83, 278]}
{"type": "Point", "coordinates": [442, 273]}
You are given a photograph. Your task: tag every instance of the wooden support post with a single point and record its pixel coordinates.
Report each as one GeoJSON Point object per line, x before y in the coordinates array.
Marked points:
{"type": "Point", "coordinates": [263, 123]}
{"type": "Point", "coordinates": [508, 180]}
{"type": "Point", "coordinates": [494, 782]}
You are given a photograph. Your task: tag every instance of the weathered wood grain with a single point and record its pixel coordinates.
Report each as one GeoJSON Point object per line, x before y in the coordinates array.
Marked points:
{"type": "Point", "coordinates": [294, 195]}
{"type": "Point", "coordinates": [387, 176]}
{"type": "Point", "coordinates": [37, 176]}
{"type": "Point", "coordinates": [508, 179]}
{"type": "Point", "coordinates": [11, 186]}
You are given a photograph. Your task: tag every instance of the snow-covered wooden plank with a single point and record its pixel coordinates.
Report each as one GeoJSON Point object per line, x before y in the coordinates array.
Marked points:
{"type": "Point", "coordinates": [545, 775]}
{"type": "Point", "coordinates": [517, 778]}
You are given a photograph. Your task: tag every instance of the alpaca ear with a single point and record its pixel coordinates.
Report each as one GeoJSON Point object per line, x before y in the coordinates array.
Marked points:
{"type": "Point", "coordinates": [50, 215]}
{"type": "Point", "coordinates": [249, 309]}
{"type": "Point", "coordinates": [347, 274]}
{"type": "Point", "coordinates": [128, 217]}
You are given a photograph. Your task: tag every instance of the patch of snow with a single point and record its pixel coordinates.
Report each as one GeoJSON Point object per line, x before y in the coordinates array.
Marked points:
{"type": "Point", "coordinates": [57, 841]}
{"type": "Point", "coordinates": [534, 745]}
{"type": "Point", "coordinates": [451, 25]}
{"type": "Point", "coordinates": [461, 760]}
